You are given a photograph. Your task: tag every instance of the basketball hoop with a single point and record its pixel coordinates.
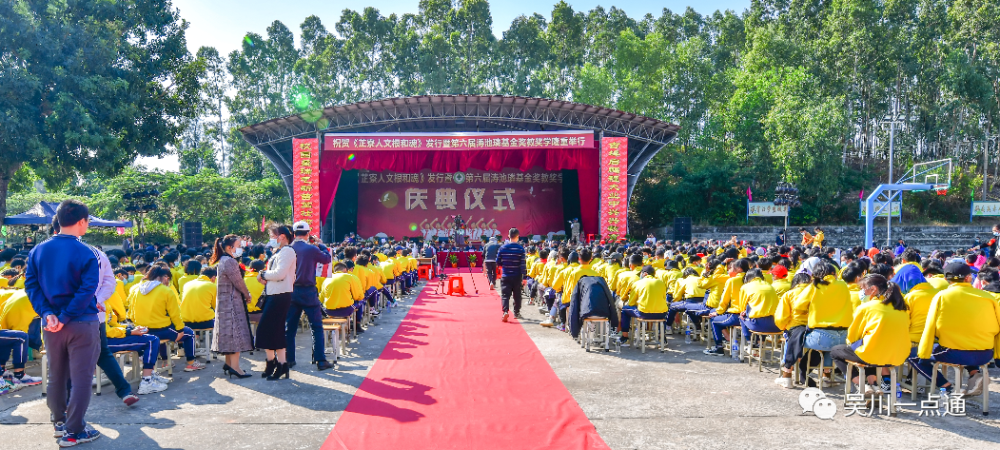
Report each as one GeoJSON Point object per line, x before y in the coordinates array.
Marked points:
{"type": "Point", "coordinates": [941, 189]}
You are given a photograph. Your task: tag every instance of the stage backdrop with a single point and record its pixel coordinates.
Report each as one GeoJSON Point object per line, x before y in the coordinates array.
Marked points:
{"type": "Point", "coordinates": [417, 204]}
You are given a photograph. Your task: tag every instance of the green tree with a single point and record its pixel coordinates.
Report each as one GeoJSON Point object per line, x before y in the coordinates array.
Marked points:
{"type": "Point", "coordinates": [89, 86]}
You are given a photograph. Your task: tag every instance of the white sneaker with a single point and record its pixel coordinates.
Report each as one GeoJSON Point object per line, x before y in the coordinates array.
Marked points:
{"type": "Point", "coordinates": [548, 322]}
{"type": "Point", "coordinates": [871, 391]}
{"type": "Point", "coordinates": [669, 332]}
{"type": "Point", "coordinates": [26, 380]}
{"type": "Point", "coordinates": [151, 386]}
{"type": "Point", "coordinates": [784, 382]}
{"type": "Point", "coordinates": [161, 378]}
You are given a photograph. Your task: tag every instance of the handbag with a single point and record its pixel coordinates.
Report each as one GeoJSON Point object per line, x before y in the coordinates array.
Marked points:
{"type": "Point", "coordinates": [261, 300]}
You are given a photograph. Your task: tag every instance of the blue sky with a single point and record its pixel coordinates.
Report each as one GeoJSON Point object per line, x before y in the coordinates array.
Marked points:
{"type": "Point", "coordinates": [223, 23]}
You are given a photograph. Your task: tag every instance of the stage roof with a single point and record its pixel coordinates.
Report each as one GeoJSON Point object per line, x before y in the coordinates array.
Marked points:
{"type": "Point", "coordinates": [462, 113]}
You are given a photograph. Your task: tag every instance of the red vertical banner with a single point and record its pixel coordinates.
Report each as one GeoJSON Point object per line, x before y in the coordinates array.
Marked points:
{"type": "Point", "coordinates": [614, 187]}
{"type": "Point", "coordinates": [305, 184]}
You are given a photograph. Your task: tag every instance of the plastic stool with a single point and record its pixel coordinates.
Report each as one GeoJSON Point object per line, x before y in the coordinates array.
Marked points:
{"type": "Point", "coordinates": [959, 380]}
{"type": "Point", "coordinates": [770, 342]}
{"type": "Point", "coordinates": [424, 272]}
{"type": "Point", "coordinates": [641, 327]}
{"type": "Point", "coordinates": [456, 285]}
{"type": "Point", "coordinates": [862, 380]}
{"type": "Point", "coordinates": [596, 330]}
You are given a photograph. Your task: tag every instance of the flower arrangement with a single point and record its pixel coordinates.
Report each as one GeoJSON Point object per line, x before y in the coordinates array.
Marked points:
{"type": "Point", "coordinates": [453, 259]}
{"type": "Point", "coordinates": [473, 258]}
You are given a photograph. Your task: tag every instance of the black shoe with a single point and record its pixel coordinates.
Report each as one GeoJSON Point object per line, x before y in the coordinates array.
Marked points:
{"type": "Point", "coordinates": [281, 371]}
{"type": "Point", "coordinates": [518, 316]}
{"type": "Point", "coordinates": [233, 373]}
{"type": "Point", "coordinates": [717, 351]}
{"type": "Point", "coordinates": [272, 365]}
{"type": "Point", "coordinates": [323, 365]}
{"type": "Point", "coordinates": [290, 364]}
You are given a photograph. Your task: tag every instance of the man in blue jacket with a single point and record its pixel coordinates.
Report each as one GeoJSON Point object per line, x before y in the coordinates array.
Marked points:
{"type": "Point", "coordinates": [305, 297]}
{"type": "Point", "coordinates": [61, 281]}
{"type": "Point", "coordinates": [510, 257]}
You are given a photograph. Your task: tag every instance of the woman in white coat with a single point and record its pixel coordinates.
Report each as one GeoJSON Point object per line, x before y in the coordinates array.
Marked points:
{"type": "Point", "coordinates": [278, 278]}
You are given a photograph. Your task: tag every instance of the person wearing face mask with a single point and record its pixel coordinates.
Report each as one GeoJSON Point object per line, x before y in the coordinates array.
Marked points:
{"type": "Point", "coordinates": [278, 279]}
{"type": "Point", "coordinates": [232, 324]}
{"type": "Point", "coordinates": [991, 244]}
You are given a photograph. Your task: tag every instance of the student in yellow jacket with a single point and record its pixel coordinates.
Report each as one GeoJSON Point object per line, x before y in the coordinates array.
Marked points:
{"type": "Point", "coordinates": [192, 270]}
{"type": "Point", "coordinates": [627, 278]}
{"type": "Point", "coordinates": [878, 334]}
{"type": "Point", "coordinates": [669, 276]}
{"type": "Point", "coordinates": [583, 270]}
{"type": "Point", "coordinates": [123, 338]}
{"type": "Point", "coordinates": [154, 305]}
{"type": "Point", "coordinates": [934, 274]}
{"type": "Point", "coordinates": [792, 315]}
{"type": "Point", "coordinates": [255, 287]}
{"type": "Point", "coordinates": [759, 301]}
{"type": "Point", "coordinates": [827, 301]}
{"type": "Point", "coordinates": [689, 297]}
{"type": "Point", "coordinates": [340, 292]}
{"type": "Point", "coordinates": [727, 314]}
{"type": "Point", "coordinates": [15, 322]}
{"type": "Point", "coordinates": [648, 300]}
{"type": "Point", "coordinates": [198, 300]}
{"type": "Point", "coordinates": [962, 327]}
{"type": "Point", "coordinates": [781, 283]}
{"type": "Point", "coordinates": [851, 274]}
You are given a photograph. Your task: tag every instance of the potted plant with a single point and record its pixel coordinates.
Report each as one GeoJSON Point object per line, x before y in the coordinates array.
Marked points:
{"type": "Point", "coordinates": [453, 259]}
{"type": "Point", "coordinates": [472, 259]}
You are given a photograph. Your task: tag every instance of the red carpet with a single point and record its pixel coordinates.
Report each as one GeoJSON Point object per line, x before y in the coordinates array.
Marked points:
{"type": "Point", "coordinates": [455, 377]}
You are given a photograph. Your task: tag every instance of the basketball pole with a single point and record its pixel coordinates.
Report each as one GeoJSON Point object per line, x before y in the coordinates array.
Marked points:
{"type": "Point", "coordinates": [871, 213]}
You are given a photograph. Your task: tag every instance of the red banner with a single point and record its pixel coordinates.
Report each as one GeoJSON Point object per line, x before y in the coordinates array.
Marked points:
{"type": "Point", "coordinates": [459, 141]}
{"type": "Point", "coordinates": [305, 182]}
{"type": "Point", "coordinates": [614, 187]}
{"type": "Point", "coordinates": [426, 204]}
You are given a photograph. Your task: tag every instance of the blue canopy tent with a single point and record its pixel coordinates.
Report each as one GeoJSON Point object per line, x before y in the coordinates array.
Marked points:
{"type": "Point", "coordinates": [43, 212]}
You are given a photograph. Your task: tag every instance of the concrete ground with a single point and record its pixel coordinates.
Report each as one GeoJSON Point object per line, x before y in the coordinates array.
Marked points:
{"type": "Point", "coordinates": [677, 399]}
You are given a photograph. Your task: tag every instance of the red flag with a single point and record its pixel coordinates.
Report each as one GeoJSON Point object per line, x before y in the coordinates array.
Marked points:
{"type": "Point", "coordinates": [263, 223]}
{"type": "Point", "coordinates": [749, 194]}
{"type": "Point", "coordinates": [862, 195]}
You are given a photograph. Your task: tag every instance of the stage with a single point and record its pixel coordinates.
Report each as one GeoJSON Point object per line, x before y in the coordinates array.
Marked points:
{"type": "Point", "coordinates": [396, 166]}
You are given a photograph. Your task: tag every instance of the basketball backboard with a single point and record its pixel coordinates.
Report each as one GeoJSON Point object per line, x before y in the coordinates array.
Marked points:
{"type": "Point", "coordinates": [936, 173]}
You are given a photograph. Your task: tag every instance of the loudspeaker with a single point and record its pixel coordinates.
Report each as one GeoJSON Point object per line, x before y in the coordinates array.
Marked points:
{"type": "Point", "coordinates": [682, 229]}
{"type": "Point", "coordinates": [191, 234]}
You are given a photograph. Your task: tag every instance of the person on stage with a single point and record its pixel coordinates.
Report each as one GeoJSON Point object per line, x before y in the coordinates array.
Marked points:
{"type": "Point", "coordinates": [511, 258]}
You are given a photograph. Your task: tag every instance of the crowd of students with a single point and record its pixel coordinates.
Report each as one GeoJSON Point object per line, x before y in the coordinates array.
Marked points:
{"type": "Point", "coordinates": [82, 305]}
{"type": "Point", "coordinates": [885, 307]}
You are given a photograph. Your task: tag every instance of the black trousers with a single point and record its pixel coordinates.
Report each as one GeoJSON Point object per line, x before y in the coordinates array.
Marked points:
{"type": "Point", "coordinates": [491, 271]}
{"type": "Point", "coordinates": [510, 286]}
{"type": "Point", "coordinates": [843, 353]}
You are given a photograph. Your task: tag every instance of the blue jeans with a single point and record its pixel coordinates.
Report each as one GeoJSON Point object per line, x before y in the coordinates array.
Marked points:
{"type": "Point", "coordinates": [170, 334]}
{"type": "Point", "coordinates": [106, 361]}
{"type": "Point", "coordinates": [824, 340]}
{"type": "Point", "coordinates": [16, 342]}
{"type": "Point", "coordinates": [314, 313]}
{"type": "Point", "coordinates": [628, 312]}
{"type": "Point", "coordinates": [721, 322]}
{"type": "Point", "coordinates": [971, 359]}
{"type": "Point", "coordinates": [146, 345]}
